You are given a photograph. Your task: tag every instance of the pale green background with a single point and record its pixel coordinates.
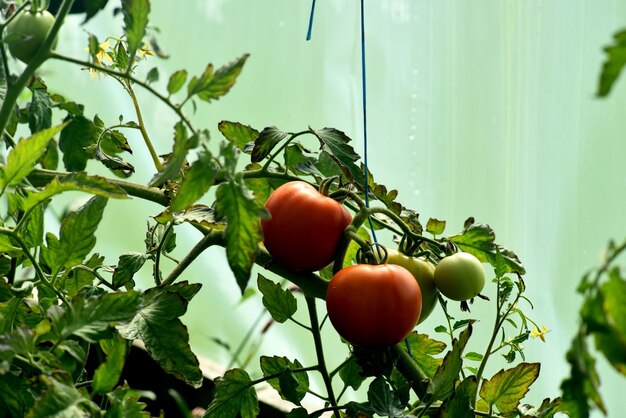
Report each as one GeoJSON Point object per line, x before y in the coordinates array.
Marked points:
{"type": "Point", "coordinates": [476, 108]}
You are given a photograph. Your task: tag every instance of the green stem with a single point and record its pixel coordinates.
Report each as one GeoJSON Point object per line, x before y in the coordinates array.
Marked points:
{"type": "Point", "coordinates": [158, 250]}
{"type": "Point", "coordinates": [411, 371]}
{"type": "Point", "coordinates": [95, 274]}
{"type": "Point", "coordinates": [319, 350]}
{"type": "Point", "coordinates": [142, 127]}
{"type": "Point", "coordinates": [15, 89]}
{"type": "Point", "coordinates": [280, 149]}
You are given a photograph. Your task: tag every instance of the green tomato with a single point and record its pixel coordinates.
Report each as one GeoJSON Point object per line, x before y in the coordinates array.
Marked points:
{"type": "Point", "coordinates": [460, 276]}
{"type": "Point", "coordinates": [26, 33]}
{"type": "Point", "coordinates": [423, 272]}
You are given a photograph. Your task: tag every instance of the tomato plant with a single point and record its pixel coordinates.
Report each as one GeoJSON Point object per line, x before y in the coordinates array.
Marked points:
{"type": "Point", "coordinates": [424, 272]}
{"type": "Point", "coordinates": [304, 228]}
{"type": "Point", "coordinates": [26, 33]}
{"type": "Point", "coordinates": [460, 276]}
{"type": "Point", "coordinates": [373, 305]}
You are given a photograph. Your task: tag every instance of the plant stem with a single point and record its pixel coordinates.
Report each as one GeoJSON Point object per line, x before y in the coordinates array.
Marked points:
{"type": "Point", "coordinates": [321, 363]}
{"type": "Point", "coordinates": [411, 371]}
{"type": "Point", "coordinates": [280, 149]}
{"type": "Point", "coordinates": [142, 127]}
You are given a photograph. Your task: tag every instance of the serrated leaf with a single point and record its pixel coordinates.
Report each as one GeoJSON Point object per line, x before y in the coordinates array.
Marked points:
{"type": "Point", "coordinates": [75, 138]}
{"type": "Point", "coordinates": [95, 185]}
{"type": "Point", "coordinates": [507, 387]}
{"type": "Point", "coordinates": [76, 236]}
{"type": "Point", "coordinates": [58, 400]}
{"type": "Point", "coordinates": [80, 278]}
{"type": "Point", "coordinates": [39, 111]}
{"type": "Point", "coordinates": [197, 181]}
{"type": "Point", "coordinates": [383, 400]}
{"type": "Point", "coordinates": [423, 348]}
{"type": "Point", "coordinates": [237, 133]}
{"type": "Point", "coordinates": [21, 160]}
{"type": "Point", "coordinates": [235, 396]}
{"type": "Point", "coordinates": [265, 143]}
{"type": "Point", "coordinates": [336, 143]}
{"type": "Point", "coordinates": [166, 339]}
{"type": "Point", "coordinates": [614, 63]}
{"type": "Point", "coordinates": [461, 403]}
{"type": "Point", "coordinates": [124, 402]}
{"type": "Point", "coordinates": [176, 159]}
{"type": "Point", "coordinates": [20, 341]}
{"type": "Point", "coordinates": [127, 265]}
{"type": "Point", "coordinates": [291, 386]}
{"type": "Point", "coordinates": [176, 81]}
{"type": "Point", "coordinates": [435, 226]}
{"type": "Point", "coordinates": [243, 234]}
{"type": "Point", "coordinates": [479, 240]}
{"type": "Point", "coordinates": [135, 21]}
{"type": "Point", "coordinates": [279, 302]}
{"type": "Point", "coordinates": [443, 382]}
{"type": "Point", "coordinates": [221, 81]}
{"type": "Point", "coordinates": [108, 373]}
{"type": "Point", "coordinates": [16, 396]}
{"type": "Point", "coordinates": [351, 375]}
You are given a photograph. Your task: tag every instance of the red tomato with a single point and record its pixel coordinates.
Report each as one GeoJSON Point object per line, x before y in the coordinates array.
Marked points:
{"type": "Point", "coordinates": [305, 227]}
{"type": "Point", "coordinates": [374, 305]}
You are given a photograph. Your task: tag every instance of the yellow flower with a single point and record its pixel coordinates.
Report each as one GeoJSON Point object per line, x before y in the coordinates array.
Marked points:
{"type": "Point", "coordinates": [539, 333]}
{"type": "Point", "coordinates": [102, 54]}
{"type": "Point", "coordinates": [145, 50]}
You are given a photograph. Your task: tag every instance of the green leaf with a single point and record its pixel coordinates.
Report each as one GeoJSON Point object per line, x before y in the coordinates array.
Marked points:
{"type": "Point", "coordinates": [58, 400]}
{"type": "Point", "coordinates": [383, 400]}
{"type": "Point", "coordinates": [298, 163]}
{"type": "Point", "coordinates": [291, 386]}
{"type": "Point", "coordinates": [21, 160]}
{"type": "Point", "coordinates": [235, 396]}
{"type": "Point", "coordinates": [238, 134]}
{"type": "Point", "coordinates": [75, 138]}
{"type": "Point", "coordinates": [32, 232]}
{"type": "Point", "coordinates": [124, 402]}
{"type": "Point", "coordinates": [211, 86]}
{"type": "Point", "coordinates": [92, 7]}
{"type": "Point", "coordinates": [176, 81]}
{"type": "Point", "coordinates": [19, 342]}
{"type": "Point", "coordinates": [614, 63]}
{"type": "Point", "coordinates": [108, 373]}
{"type": "Point", "coordinates": [351, 375]}
{"type": "Point", "coordinates": [443, 382]}
{"type": "Point", "coordinates": [152, 76]}
{"type": "Point", "coordinates": [127, 265]}
{"type": "Point", "coordinates": [176, 159]}
{"type": "Point", "coordinates": [336, 143]}
{"type": "Point", "coordinates": [197, 181]}
{"type": "Point", "coordinates": [479, 240]}
{"type": "Point", "coordinates": [265, 143]}
{"type": "Point", "coordinates": [507, 387]}
{"type": "Point", "coordinates": [435, 226]}
{"type": "Point", "coordinates": [76, 236]}
{"type": "Point", "coordinates": [81, 182]}
{"type": "Point", "coordinates": [39, 111]}
{"type": "Point", "coordinates": [92, 316]}
{"type": "Point", "coordinates": [80, 278]}
{"type": "Point", "coordinates": [280, 303]}
{"type": "Point", "coordinates": [461, 403]}
{"type": "Point", "coordinates": [422, 351]}
{"type": "Point", "coordinates": [164, 335]}
{"type": "Point", "coordinates": [473, 356]}
{"type": "Point", "coordinates": [243, 231]}
{"type": "Point", "coordinates": [50, 158]}
{"type": "Point", "coordinates": [135, 21]}
{"type": "Point", "coordinates": [16, 395]}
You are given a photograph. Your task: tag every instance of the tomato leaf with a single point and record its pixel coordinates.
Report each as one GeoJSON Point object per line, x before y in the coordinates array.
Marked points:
{"type": "Point", "coordinates": [125, 403]}
{"type": "Point", "coordinates": [298, 163]}
{"type": "Point", "coordinates": [479, 240]}
{"type": "Point", "coordinates": [197, 181]}
{"type": "Point", "coordinates": [507, 387]}
{"type": "Point", "coordinates": [211, 85]}
{"type": "Point", "coordinates": [435, 226]}
{"type": "Point", "coordinates": [39, 111]}
{"type": "Point", "coordinates": [108, 373]}
{"type": "Point", "coordinates": [234, 396]}
{"type": "Point", "coordinates": [614, 63]}
{"type": "Point", "coordinates": [237, 133]}
{"type": "Point", "coordinates": [243, 231]}
{"type": "Point", "coordinates": [383, 400]}
{"type": "Point", "coordinates": [176, 159]}
{"type": "Point", "coordinates": [77, 237]}
{"type": "Point", "coordinates": [461, 403]}
{"type": "Point", "coordinates": [164, 335]}
{"type": "Point", "coordinates": [350, 374]}
{"type": "Point", "coordinates": [127, 265]}
{"type": "Point", "coordinates": [176, 81]}
{"type": "Point", "coordinates": [279, 302]}
{"type": "Point", "coordinates": [21, 160]}
{"type": "Point", "coordinates": [16, 395]}
{"type": "Point", "coordinates": [265, 142]}
{"type": "Point", "coordinates": [291, 386]}
{"type": "Point", "coordinates": [336, 143]}
{"type": "Point", "coordinates": [135, 21]}
{"type": "Point", "coordinates": [443, 382]}
{"type": "Point", "coordinates": [422, 351]}
{"type": "Point", "coordinates": [58, 399]}
{"type": "Point", "coordinates": [75, 138]}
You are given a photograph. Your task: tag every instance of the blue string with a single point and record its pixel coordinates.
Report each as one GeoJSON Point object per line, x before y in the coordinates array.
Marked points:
{"type": "Point", "coordinates": [310, 29]}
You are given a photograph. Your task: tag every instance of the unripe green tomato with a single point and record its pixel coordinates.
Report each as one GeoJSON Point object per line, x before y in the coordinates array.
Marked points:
{"type": "Point", "coordinates": [460, 276]}
{"type": "Point", "coordinates": [424, 273]}
{"type": "Point", "coordinates": [26, 33]}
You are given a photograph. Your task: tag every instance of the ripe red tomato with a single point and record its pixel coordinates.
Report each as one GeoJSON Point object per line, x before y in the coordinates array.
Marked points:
{"type": "Point", "coordinates": [373, 305]}
{"type": "Point", "coordinates": [460, 276]}
{"type": "Point", "coordinates": [305, 227]}
{"type": "Point", "coordinates": [26, 33]}
{"type": "Point", "coordinates": [424, 273]}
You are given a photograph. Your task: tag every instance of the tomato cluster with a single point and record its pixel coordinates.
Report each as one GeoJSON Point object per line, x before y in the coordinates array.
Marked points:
{"type": "Point", "coordinates": [26, 32]}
